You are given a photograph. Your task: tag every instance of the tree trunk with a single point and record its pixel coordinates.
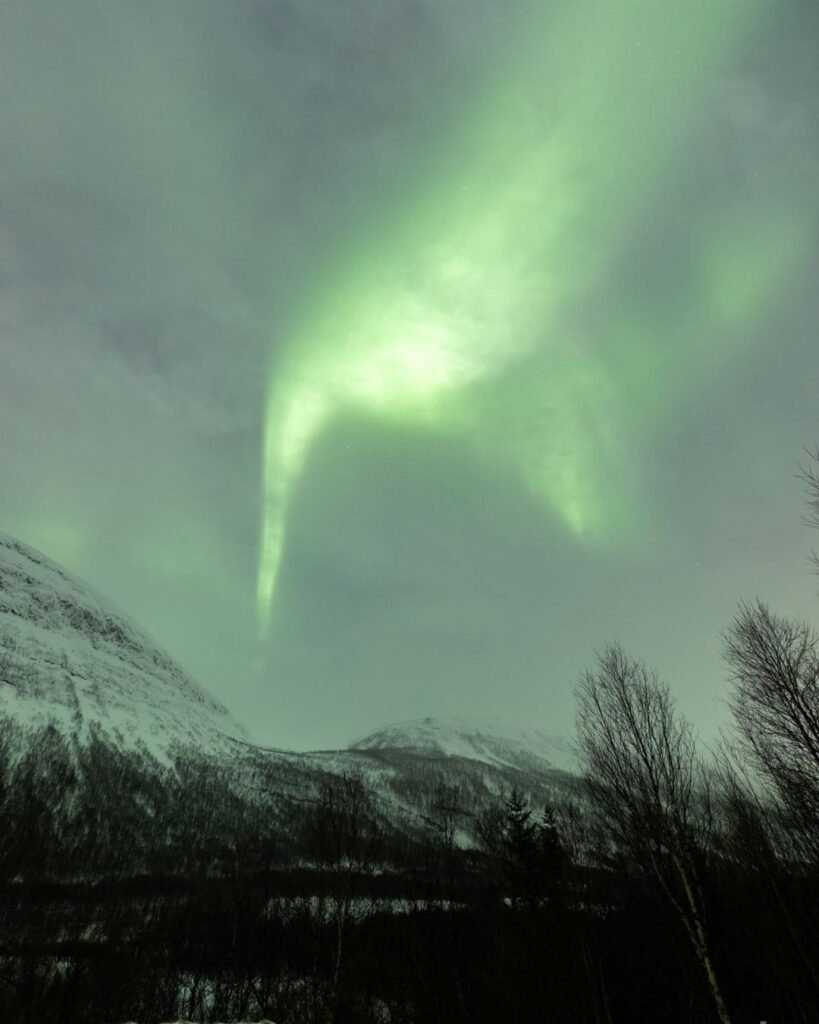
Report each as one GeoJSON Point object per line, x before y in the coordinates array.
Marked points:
{"type": "Point", "coordinates": [696, 932]}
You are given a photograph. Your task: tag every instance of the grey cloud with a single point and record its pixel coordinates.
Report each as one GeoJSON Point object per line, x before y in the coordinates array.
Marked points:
{"type": "Point", "coordinates": [175, 178]}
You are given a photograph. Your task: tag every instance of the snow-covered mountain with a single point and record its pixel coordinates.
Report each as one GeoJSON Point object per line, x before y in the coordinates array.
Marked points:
{"type": "Point", "coordinates": [69, 659]}
{"type": "Point", "coordinates": [140, 768]}
{"type": "Point", "coordinates": [490, 742]}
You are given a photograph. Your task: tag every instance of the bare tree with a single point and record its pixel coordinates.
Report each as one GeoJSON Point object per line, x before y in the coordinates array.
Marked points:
{"type": "Point", "coordinates": [644, 778]}
{"type": "Point", "coordinates": [775, 703]}
{"type": "Point", "coordinates": [809, 475]}
{"type": "Point", "coordinates": [347, 842]}
{"type": "Point", "coordinates": [755, 843]}
{"type": "Point", "coordinates": [444, 813]}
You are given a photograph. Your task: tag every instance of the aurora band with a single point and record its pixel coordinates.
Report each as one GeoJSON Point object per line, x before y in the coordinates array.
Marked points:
{"type": "Point", "coordinates": [474, 277]}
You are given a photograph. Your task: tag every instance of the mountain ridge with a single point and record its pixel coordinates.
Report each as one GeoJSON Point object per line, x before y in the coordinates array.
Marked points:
{"type": "Point", "coordinates": [140, 766]}
{"type": "Point", "coordinates": [490, 741]}
{"type": "Point", "coordinates": [69, 658]}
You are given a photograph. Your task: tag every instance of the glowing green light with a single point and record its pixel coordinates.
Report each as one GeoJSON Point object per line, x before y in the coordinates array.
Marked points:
{"type": "Point", "coordinates": [481, 270]}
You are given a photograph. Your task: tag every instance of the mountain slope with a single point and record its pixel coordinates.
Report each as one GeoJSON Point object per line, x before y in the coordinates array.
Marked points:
{"type": "Point", "coordinates": [489, 742]}
{"type": "Point", "coordinates": [68, 659]}
{"type": "Point", "coordinates": [112, 759]}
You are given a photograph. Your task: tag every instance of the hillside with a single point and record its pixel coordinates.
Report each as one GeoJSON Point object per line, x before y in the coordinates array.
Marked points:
{"type": "Point", "coordinates": [69, 659]}
{"type": "Point", "coordinates": [135, 765]}
{"type": "Point", "coordinates": [490, 742]}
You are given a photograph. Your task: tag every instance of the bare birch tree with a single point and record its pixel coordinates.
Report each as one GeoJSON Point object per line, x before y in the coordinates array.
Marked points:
{"type": "Point", "coordinates": [775, 704]}
{"type": "Point", "coordinates": [644, 777]}
{"type": "Point", "coordinates": [347, 840]}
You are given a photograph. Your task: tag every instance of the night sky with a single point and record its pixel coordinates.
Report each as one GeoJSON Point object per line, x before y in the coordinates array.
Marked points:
{"type": "Point", "coordinates": [386, 358]}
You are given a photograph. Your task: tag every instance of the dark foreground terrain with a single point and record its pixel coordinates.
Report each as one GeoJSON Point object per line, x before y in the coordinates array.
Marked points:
{"type": "Point", "coordinates": [372, 928]}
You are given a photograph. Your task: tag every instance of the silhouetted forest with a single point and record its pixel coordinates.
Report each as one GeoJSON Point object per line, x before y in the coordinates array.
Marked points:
{"type": "Point", "coordinates": [674, 884]}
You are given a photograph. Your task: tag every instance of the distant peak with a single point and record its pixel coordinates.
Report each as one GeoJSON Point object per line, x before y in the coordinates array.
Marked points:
{"type": "Point", "coordinates": [489, 740]}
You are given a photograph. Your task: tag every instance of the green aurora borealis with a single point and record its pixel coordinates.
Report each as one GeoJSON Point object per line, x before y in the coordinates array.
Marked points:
{"type": "Point", "coordinates": [384, 359]}
{"type": "Point", "coordinates": [445, 310]}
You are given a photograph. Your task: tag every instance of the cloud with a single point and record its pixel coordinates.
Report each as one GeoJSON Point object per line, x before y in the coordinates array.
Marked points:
{"type": "Point", "coordinates": [185, 186]}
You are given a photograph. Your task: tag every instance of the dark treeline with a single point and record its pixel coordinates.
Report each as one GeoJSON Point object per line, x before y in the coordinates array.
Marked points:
{"type": "Point", "coordinates": [675, 884]}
